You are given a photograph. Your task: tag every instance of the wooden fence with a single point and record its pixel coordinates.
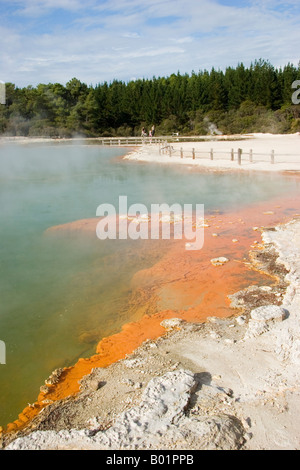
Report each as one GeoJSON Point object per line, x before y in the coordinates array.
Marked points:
{"type": "Point", "coordinates": [238, 155]}
{"type": "Point", "coordinates": [128, 141]}
{"type": "Point", "coordinates": [164, 145]}
{"type": "Point", "coordinates": [137, 141]}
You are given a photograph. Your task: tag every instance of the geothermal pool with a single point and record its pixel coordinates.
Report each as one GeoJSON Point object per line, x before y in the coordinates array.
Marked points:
{"type": "Point", "coordinates": [59, 295]}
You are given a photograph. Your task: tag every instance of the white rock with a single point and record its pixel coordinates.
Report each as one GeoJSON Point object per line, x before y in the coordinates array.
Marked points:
{"type": "Point", "coordinates": [219, 261]}
{"type": "Point", "coordinates": [255, 328]}
{"type": "Point", "coordinates": [138, 385]}
{"type": "Point", "coordinates": [295, 352]}
{"type": "Point", "coordinates": [241, 320]}
{"type": "Point", "coordinates": [171, 323]}
{"type": "Point", "coordinates": [214, 335]}
{"type": "Point", "coordinates": [266, 288]}
{"type": "Point", "coordinates": [212, 319]}
{"type": "Point", "coordinates": [268, 313]}
{"type": "Point", "coordinates": [132, 363]}
{"type": "Point", "coordinates": [262, 319]}
{"type": "Point", "coordinates": [228, 341]}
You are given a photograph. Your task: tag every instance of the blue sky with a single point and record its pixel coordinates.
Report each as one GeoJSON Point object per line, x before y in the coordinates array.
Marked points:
{"type": "Point", "coordinates": [46, 41]}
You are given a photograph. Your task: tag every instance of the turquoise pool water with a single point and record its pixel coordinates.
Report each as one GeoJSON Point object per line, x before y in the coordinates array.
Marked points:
{"type": "Point", "coordinates": [60, 295]}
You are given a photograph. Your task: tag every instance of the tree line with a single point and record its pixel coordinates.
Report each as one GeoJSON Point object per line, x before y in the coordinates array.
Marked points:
{"type": "Point", "coordinates": [243, 99]}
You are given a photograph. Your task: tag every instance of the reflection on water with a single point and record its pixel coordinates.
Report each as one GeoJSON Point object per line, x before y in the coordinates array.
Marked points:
{"type": "Point", "coordinates": [61, 294]}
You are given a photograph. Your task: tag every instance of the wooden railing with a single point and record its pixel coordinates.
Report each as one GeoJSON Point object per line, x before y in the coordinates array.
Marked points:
{"type": "Point", "coordinates": [164, 146]}
{"type": "Point", "coordinates": [136, 141]}
{"type": "Point", "coordinates": [128, 141]}
{"type": "Point", "coordinates": [237, 155]}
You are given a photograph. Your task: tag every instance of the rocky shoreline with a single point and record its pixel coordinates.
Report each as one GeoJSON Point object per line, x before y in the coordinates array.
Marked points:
{"type": "Point", "coordinates": [224, 384]}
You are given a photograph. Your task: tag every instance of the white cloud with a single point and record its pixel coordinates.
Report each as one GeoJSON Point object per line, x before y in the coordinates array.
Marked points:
{"type": "Point", "coordinates": [153, 52]}
{"type": "Point", "coordinates": [39, 7]}
{"type": "Point", "coordinates": [103, 40]}
{"type": "Point", "coordinates": [185, 40]}
{"type": "Point", "coordinates": [132, 35]}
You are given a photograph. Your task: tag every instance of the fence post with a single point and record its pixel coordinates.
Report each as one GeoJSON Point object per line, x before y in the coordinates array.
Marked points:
{"type": "Point", "coordinates": [239, 156]}
{"type": "Point", "coordinates": [232, 155]}
{"type": "Point", "coordinates": [181, 152]}
{"type": "Point", "coordinates": [193, 154]}
{"type": "Point", "coordinates": [170, 151]}
{"type": "Point", "coordinates": [251, 155]}
{"type": "Point", "coordinates": [211, 154]}
{"type": "Point", "coordinates": [273, 156]}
